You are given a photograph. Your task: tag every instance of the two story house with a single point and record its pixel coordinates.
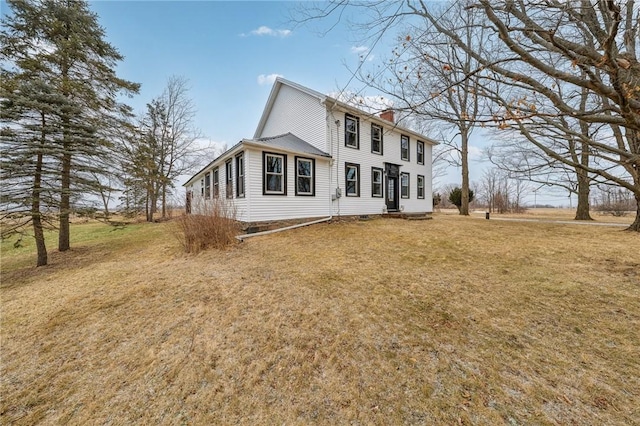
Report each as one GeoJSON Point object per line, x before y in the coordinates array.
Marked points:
{"type": "Point", "coordinates": [313, 156]}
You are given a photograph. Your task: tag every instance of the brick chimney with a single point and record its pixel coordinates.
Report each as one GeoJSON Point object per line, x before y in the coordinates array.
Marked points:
{"type": "Point", "coordinates": [387, 114]}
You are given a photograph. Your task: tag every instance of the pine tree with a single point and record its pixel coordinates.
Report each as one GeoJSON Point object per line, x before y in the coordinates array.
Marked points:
{"type": "Point", "coordinates": [63, 41]}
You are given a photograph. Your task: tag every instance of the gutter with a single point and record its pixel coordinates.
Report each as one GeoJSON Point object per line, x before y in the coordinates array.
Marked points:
{"type": "Point", "coordinates": [241, 238]}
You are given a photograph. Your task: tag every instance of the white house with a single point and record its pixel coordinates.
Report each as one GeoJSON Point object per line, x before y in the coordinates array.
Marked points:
{"type": "Point", "coordinates": [313, 156]}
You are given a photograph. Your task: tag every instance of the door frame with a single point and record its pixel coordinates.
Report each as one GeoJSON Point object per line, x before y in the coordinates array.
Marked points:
{"type": "Point", "coordinates": [392, 173]}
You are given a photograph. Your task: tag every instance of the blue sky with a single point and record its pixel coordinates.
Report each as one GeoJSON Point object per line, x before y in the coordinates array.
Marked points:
{"type": "Point", "coordinates": [230, 51]}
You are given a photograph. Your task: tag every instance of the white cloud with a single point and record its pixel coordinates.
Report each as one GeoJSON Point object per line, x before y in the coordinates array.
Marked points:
{"type": "Point", "coordinates": [475, 153]}
{"type": "Point", "coordinates": [359, 49]}
{"type": "Point", "coordinates": [267, 79]}
{"type": "Point", "coordinates": [266, 31]}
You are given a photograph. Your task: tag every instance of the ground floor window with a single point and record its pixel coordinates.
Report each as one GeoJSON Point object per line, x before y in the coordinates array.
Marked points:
{"type": "Point", "coordinates": [229, 182]}
{"type": "Point", "coordinates": [404, 185]}
{"type": "Point", "coordinates": [352, 179]}
{"type": "Point", "coordinates": [376, 182]}
{"type": "Point", "coordinates": [305, 176]}
{"type": "Point", "coordinates": [207, 185]}
{"type": "Point", "coordinates": [420, 186]}
{"type": "Point", "coordinates": [216, 183]}
{"type": "Point", "coordinates": [274, 174]}
{"type": "Point", "coordinates": [240, 175]}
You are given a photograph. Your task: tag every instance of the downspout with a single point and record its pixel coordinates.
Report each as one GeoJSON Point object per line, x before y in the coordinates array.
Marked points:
{"type": "Point", "coordinates": [286, 228]}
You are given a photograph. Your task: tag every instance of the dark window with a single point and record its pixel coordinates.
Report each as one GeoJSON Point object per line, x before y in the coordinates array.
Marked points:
{"type": "Point", "coordinates": [351, 131]}
{"type": "Point", "coordinates": [274, 174]}
{"type": "Point", "coordinates": [376, 182]}
{"type": "Point", "coordinates": [229, 172]}
{"type": "Point", "coordinates": [207, 185]}
{"type": "Point", "coordinates": [216, 183]}
{"type": "Point", "coordinates": [404, 185]}
{"type": "Point", "coordinates": [305, 176]}
{"type": "Point", "coordinates": [352, 179]}
{"type": "Point", "coordinates": [202, 187]}
{"type": "Point", "coordinates": [404, 147]}
{"type": "Point", "coordinates": [420, 152]}
{"type": "Point", "coordinates": [376, 139]}
{"type": "Point", "coordinates": [420, 186]}
{"type": "Point", "coordinates": [240, 175]}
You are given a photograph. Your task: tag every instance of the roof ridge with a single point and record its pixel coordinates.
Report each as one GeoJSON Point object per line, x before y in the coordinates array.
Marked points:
{"type": "Point", "coordinates": [266, 138]}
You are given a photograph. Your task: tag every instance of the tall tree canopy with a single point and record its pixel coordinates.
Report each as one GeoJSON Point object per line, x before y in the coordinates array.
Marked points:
{"type": "Point", "coordinates": [59, 82]}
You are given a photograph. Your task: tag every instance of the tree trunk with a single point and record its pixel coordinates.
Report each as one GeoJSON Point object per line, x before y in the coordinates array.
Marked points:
{"type": "Point", "coordinates": [582, 210]}
{"type": "Point", "coordinates": [36, 215]}
{"type": "Point", "coordinates": [464, 154]}
{"type": "Point", "coordinates": [65, 201]}
{"type": "Point", "coordinates": [164, 200]}
{"type": "Point", "coordinates": [635, 226]}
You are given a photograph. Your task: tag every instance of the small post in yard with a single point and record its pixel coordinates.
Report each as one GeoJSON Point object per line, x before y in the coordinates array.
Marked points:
{"type": "Point", "coordinates": [486, 215]}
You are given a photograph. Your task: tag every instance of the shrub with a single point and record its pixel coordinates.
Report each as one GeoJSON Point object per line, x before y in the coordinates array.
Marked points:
{"type": "Point", "coordinates": [455, 196]}
{"type": "Point", "coordinates": [216, 228]}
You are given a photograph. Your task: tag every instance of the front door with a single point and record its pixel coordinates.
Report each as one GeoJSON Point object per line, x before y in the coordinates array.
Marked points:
{"type": "Point", "coordinates": [391, 194]}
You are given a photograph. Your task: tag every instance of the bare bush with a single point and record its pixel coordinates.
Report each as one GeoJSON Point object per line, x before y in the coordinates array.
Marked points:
{"type": "Point", "coordinates": [216, 228]}
{"type": "Point", "coordinates": [614, 201]}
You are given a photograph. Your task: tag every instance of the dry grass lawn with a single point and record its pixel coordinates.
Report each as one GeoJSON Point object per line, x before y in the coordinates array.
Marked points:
{"type": "Point", "coordinates": [450, 321]}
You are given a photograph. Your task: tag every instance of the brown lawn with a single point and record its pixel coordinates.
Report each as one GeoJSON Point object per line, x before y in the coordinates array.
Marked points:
{"type": "Point", "coordinates": [449, 321]}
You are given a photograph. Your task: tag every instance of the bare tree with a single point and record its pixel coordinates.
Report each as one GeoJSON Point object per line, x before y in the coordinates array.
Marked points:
{"type": "Point", "coordinates": [588, 46]}
{"type": "Point", "coordinates": [432, 81]}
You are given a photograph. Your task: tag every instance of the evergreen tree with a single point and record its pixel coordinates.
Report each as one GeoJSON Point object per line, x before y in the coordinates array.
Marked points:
{"type": "Point", "coordinates": [61, 42]}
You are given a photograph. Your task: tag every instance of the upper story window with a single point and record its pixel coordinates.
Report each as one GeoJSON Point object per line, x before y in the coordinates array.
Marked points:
{"type": "Point", "coordinates": [376, 139]}
{"type": "Point", "coordinates": [420, 186]}
{"type": "Point", "coordinates": [202, 187]}
{"type": "Point", "coordinates": [404, 185]}
{"type": "Point", "coordinates": [229, 175]}
{"type": "Point", "coordinates": [216, 183]}
{"type": "Point", "coordinates": [274, 174]}
{"type": "Point", "coordinates": [352, 179]}
{"type": "Point", "coordinates": [420, 152]}
{"type": "Point", "coordinates": [240, 175]}
{"type": "Point", "coordinates": [305, 176]}
{"type": "Point", "coordinates": [207, 185]}
{"type": "Point", "coordinates": [376, 182]}
{"type": "Point", "coordinates": [404, 147]}
{"type": "Point", "coordinates": [351, 131]}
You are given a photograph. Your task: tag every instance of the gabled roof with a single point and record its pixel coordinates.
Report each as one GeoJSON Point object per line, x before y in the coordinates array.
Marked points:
{"type": "Point", "coordinates": [330, 102]}
{"type": "Point", "coordinates": [288, 142]}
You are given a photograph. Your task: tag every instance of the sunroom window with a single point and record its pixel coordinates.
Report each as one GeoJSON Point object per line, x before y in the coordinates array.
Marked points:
{"type": "Point", "coordinates": [305, 179]}
{"type": "Point", "coordinates": [275, 166]}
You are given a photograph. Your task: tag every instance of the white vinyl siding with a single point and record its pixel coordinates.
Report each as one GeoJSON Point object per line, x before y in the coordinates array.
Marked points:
{"type": "Point", "coordinates": [290, 206]}
{"type": "Point", "coordinates": [367, 203]}
{"type": "Point", "coordinates": [300, 114]}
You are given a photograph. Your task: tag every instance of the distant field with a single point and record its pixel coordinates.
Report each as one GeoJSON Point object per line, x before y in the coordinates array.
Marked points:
{"type": "Point", "coordinates": [450, 321]}
{"type": "Point", "coordinates": [553, 214]}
